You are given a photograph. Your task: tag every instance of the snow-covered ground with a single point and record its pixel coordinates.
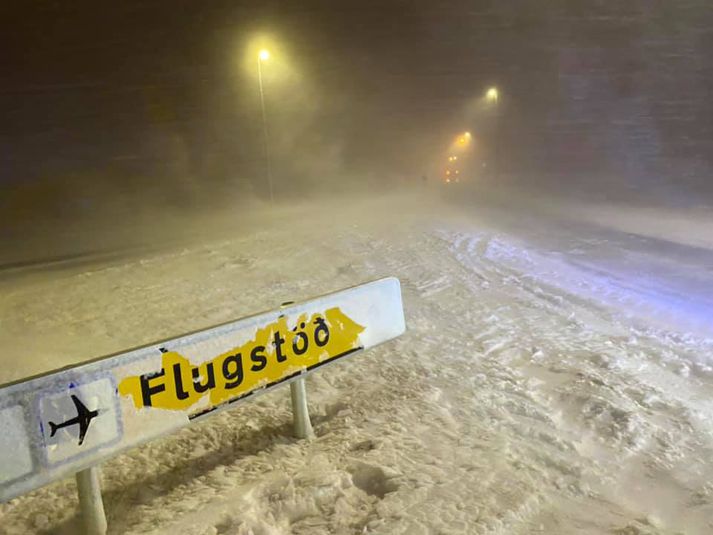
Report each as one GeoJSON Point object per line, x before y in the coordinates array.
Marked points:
{"type": "Point", "coordinates": [556, 377]}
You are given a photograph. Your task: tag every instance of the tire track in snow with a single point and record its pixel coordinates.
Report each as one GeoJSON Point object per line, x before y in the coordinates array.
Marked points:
{"type": "Point", "coordinates": [606, 420]}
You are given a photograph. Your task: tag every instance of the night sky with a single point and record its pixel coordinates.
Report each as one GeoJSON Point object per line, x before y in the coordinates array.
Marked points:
{"type": "Point", "coordinates": [153, 93]}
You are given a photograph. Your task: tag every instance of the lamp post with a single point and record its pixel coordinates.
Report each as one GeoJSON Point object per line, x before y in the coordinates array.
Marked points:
{"type": "Point", "coordinates": [263, 56]}
{"type": "Point", "coordinates": [492, 95]}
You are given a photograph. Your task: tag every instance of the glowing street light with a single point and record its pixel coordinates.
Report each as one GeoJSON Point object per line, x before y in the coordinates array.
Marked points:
{"type": "Point", "coordinates": [492, 94]}
{"type": "Point", "coordinates": [464, 139]}
{"type": "Point", "coordinates": [263, 56]}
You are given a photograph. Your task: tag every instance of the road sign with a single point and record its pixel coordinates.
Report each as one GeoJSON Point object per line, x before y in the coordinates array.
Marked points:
{"type": "Point", "coordinates": [69, 420]}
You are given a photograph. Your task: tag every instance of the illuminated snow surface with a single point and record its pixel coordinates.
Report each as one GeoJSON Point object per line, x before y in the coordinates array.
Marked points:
{"type": "Point", "coordinates": [556, 376]}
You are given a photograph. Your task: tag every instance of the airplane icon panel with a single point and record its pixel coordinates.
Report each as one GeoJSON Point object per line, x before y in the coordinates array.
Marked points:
{"type": "Point", "coordinates": [79, 419]}
{"type": "Point", "coordinates": [82, 420]}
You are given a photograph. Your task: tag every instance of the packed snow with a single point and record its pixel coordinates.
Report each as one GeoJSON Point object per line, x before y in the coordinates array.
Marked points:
{"type": "Point", "coordinates": [556, 375]}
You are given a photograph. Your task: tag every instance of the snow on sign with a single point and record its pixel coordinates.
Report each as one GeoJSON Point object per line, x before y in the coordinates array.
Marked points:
{"type": "Point", "coordinates": [66, 421]}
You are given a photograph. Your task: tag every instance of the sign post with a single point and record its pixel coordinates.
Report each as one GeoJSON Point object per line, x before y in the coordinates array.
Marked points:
{"type": "Point", "coordinates": [300, 412]}
{"type": "Point", "coordinates": [90, 501]}
{"type": "Point", "coordinates": [68, 421]}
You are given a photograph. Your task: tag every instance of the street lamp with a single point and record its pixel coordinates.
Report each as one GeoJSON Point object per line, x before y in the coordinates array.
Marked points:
{"type": "Point", "coordinates": [492, 94]}
{"type": "Point", "coordinates": [464, 139]}
{"type": "Point", "coordinates": [263, 56]}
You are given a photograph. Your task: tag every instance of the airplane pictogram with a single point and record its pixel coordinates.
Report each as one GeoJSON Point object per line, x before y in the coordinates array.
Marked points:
{"type": "Point", "coordinates": [83, 419]}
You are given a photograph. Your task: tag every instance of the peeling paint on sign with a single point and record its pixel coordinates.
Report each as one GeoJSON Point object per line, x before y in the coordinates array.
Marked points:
{"type": "Point", "coordinates": [275, 353]}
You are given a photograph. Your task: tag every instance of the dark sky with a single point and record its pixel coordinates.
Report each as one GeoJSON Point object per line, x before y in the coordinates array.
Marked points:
{"type": "Point", "coordinates": [153, 88]}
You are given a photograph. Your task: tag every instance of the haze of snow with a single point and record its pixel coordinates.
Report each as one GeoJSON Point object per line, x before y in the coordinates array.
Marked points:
{"type": "Point", "coordinates": [541, 386]}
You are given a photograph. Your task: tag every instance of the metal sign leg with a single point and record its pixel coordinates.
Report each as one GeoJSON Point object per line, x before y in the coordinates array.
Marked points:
{"type": "Point", "coordinates": [90, 501]}
{"type": "Point", "coordinates": [300, 412]}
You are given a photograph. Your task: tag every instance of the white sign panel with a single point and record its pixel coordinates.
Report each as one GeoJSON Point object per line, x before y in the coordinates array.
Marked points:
{"type": "Point", "coordinates": [63, 422]}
